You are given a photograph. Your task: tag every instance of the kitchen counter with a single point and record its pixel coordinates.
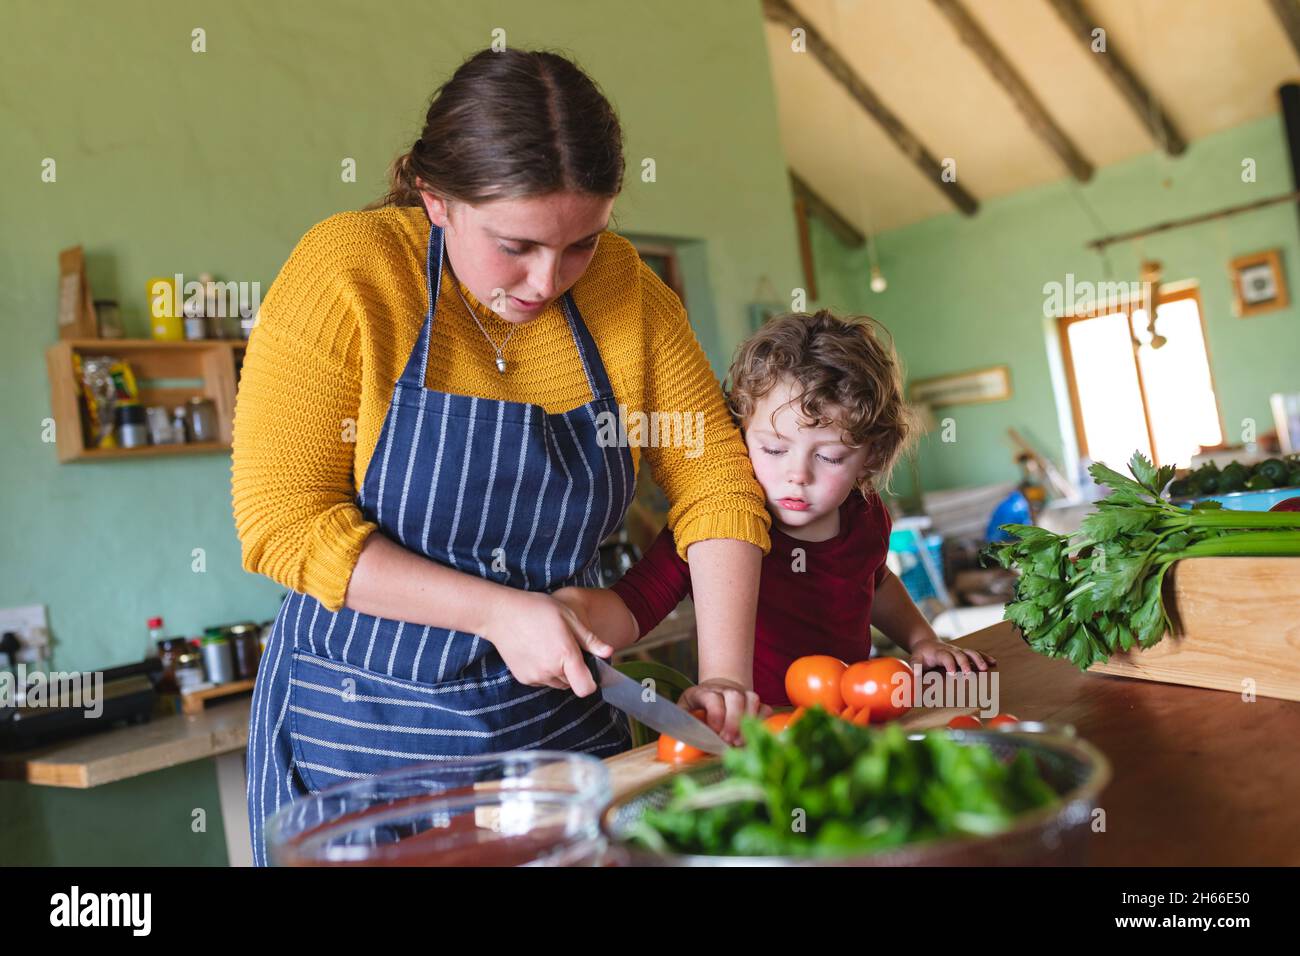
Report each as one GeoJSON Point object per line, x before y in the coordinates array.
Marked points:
{"type": "Point", "coordinates": [220, 732]}
{"type": "Point", "coordinates": [1199, 777]}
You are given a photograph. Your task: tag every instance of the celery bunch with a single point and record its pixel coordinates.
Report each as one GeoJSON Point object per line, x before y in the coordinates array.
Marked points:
{"type": "Point", "coordinates": [1097, 591]}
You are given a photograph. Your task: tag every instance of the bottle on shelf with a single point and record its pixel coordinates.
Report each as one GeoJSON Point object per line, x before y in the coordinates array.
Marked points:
{"type": "Point", "coordinates": [155, 636]}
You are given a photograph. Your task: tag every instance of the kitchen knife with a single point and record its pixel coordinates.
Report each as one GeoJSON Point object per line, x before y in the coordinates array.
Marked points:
{"type": "Point", "coordinates": [658, 713]}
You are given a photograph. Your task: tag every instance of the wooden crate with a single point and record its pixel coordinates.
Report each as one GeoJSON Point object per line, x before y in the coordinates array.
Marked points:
{"type": "Point", "coordinates": [1239, 629]}
{"type": "Point", "coordinates": [196, 702]}
{"type": "Point", "coordinates": [214, 363]}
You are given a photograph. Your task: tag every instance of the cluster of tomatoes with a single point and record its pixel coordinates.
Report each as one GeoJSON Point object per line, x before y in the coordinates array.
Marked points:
{"type": "Point", "coordinates": [869, 692]}
{"type": "Point", "coordinates": [861, 693]}
{"type": "Point", "coordinates": [971, 722]}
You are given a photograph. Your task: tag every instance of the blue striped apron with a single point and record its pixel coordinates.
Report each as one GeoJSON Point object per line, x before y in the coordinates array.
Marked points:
{"type": "Point", "coordinates": [502, 490]}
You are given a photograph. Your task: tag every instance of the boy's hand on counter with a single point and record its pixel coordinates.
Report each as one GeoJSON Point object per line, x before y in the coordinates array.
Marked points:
{"type": "Point", "coordinates": [724, 703]}
{"type": "Point", "coordinates": [933, 653]}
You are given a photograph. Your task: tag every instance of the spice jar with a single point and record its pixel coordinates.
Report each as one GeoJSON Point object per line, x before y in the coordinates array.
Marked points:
{"type": "Point", "coordinates": [244, 642]}
{"type": "Point", "coordinates": [218, 658]}
{"type": "Point", "coordinates": [109, 317]}
{"type": "Point", "coordinates": [169, 650]}
{"type": "Point", "coordinates": [189, 667]}
{"type": "Point", "coordinates": [203, 420]}
{"type": "Point", "coordinates": [196, 326]}
{"type": "Point", "coordinates": [132, 431]}
{"type": "Point", "coordinates": [180, 426]}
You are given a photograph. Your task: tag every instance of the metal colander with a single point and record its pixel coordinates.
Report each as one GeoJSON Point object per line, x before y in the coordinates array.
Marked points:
{"type": "Point", "coordinates": [1055, 835]}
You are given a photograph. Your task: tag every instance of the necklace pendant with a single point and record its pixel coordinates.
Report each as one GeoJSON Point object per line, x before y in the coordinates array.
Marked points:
{"type": "Point", "coordinates": [501, 365]}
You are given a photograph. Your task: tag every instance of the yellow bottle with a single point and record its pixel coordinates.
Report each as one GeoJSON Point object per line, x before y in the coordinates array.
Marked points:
{"type": "Point", "coordinates": [165, 322]}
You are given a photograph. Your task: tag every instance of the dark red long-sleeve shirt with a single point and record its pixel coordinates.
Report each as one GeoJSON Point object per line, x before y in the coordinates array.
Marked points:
{"type": "Point", "coordinates": [814, 596]}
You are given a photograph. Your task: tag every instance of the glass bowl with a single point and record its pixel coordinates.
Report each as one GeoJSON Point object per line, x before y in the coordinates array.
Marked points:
{"type": "Point", "coordinates": [537, 808]}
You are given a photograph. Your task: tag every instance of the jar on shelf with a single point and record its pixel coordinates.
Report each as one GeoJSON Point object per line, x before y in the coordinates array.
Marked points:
{"type": "Point", "coordinates": [109, 318]}
{"type": "Point", "coordinates": [246, 645]}
{"type": "Point", "coordinates": [169, 651]}
{"type": "Point", "coordinates": [132, 428]}
{"type": "Point", "coordinates": [189, 667]}
{"type": "Point", "coordinates": [218, 659]}
{"type": "Point", "coordinates": [203, 420]}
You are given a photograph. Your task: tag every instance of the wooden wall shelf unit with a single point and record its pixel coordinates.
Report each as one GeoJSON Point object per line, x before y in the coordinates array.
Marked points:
{"type": "Point", "coordinates": [216, 363]}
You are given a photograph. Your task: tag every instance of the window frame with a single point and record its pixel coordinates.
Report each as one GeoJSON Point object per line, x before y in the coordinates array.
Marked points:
{"type": "Point", "coordinates": [1167, 294]}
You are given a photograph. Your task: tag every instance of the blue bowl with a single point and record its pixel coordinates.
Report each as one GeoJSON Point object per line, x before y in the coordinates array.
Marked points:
{"type": "Point", "coordinates": [1244, 500]}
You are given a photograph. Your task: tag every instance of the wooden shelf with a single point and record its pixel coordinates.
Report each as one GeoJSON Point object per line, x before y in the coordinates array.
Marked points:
{"type": "Point", "coordinates": [112, 346]}
{"type": "Point", "coordinates": [213, 363]}
{"type": "Point", "coordinates": [153, 451]}
{"type": "Point", "coordinates": [197, 701]}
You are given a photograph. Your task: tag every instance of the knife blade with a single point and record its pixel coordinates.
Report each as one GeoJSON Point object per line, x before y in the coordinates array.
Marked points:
{"type": "Point", "coordinates": [658, 713]}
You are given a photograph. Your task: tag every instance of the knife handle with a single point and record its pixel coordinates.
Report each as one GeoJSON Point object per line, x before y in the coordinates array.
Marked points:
{"type": "Point", "coordinates": [589, 659]}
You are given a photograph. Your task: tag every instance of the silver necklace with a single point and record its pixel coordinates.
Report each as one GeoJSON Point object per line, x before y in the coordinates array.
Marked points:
{"type": "Point", "coordinates": [501, 362]}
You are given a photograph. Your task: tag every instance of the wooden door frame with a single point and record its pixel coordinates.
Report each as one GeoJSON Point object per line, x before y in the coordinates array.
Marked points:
{"type": "Point", "coordinates": [669, 253]}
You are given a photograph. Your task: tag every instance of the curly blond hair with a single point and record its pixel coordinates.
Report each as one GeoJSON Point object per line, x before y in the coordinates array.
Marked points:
{"type": "Point", "coordinates": [845, 373]}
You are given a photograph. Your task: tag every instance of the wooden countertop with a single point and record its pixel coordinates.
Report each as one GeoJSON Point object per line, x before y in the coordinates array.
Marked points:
{"type": "Point", "coordinates": [1200, 777]}
{"type": "Point", "coordinates": [130, 751]}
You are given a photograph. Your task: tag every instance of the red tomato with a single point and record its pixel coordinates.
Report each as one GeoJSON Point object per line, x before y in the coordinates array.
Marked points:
{"type": "Point", "coordinates": [863, 717]}
{"type": "Point", "coordinates": [872, 684]}
{"type": "Point", "coordinates": [1002, 719]}
{"type": "Point", "coordinates": [965, 722]}
{"type": "Point", "coordinates": [671, 750]}
{"type": "Point", "coordinates": [778, 722]}
{"type": "Point", "coordinates": [848, 714]}
{"type": "Point", "coordinates": [816, 680]}
{"type": "Point", "coordinates": [853, 685]}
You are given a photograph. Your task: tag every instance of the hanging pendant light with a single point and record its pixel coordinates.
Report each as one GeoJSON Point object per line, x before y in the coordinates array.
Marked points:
{"type": "Point", "coordinates": [878, 283]}
{"type": "Point", "coordinates": [1151, 271]}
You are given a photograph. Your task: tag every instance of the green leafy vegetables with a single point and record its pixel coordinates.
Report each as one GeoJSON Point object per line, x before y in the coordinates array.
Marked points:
{"type": "Point", "coordinates": [1096, 592]}
{"type": "Point", "coordinates": [1236, 476]}
{"type": "Point", "coordinates": [827, 788]}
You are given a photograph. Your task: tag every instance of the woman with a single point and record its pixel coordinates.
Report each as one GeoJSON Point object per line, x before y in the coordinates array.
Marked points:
{"type": "Point", "coordinates": [417, 455]}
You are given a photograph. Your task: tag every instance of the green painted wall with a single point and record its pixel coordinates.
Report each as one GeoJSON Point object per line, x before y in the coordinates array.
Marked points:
{"type": "Point", "coordinates": [174, 161]}
{"type": "Point", "coordinates": [968, 292]}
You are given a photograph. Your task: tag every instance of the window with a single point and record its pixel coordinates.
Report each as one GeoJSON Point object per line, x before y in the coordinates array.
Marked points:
{"type": "Point", "coordinates": [1129, 396]}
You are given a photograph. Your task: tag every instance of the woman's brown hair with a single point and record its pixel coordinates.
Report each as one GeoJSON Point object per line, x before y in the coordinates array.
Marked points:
{"type": "Point", "coordinates": [845, 374]}
{"type": "Point", "coordinates": [508, 125]}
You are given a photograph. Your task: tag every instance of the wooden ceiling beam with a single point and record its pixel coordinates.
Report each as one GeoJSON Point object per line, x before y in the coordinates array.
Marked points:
{"type": "Point", "coordinates": [844, 230]}
{"type": "Point", "coordinates": [1006, 75]}
{"type": "Point", "coordinates": [1150, 112]}
{"type": "Point", "coordinates": [780, 11]}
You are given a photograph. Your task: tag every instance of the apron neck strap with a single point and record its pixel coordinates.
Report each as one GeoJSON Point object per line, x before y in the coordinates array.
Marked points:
{"type": "Point", "coordinates": [417, 363]}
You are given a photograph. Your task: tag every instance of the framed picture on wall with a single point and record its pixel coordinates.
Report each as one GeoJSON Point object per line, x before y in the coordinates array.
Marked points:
{"type": "Point", "coordinates": [963, 388]}
{"type": "Point", "coordinates": [1258, 284]}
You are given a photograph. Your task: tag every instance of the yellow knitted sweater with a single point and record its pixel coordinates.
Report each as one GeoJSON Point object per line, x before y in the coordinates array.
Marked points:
{"type": "Point", "coordinates": [334, 333]}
